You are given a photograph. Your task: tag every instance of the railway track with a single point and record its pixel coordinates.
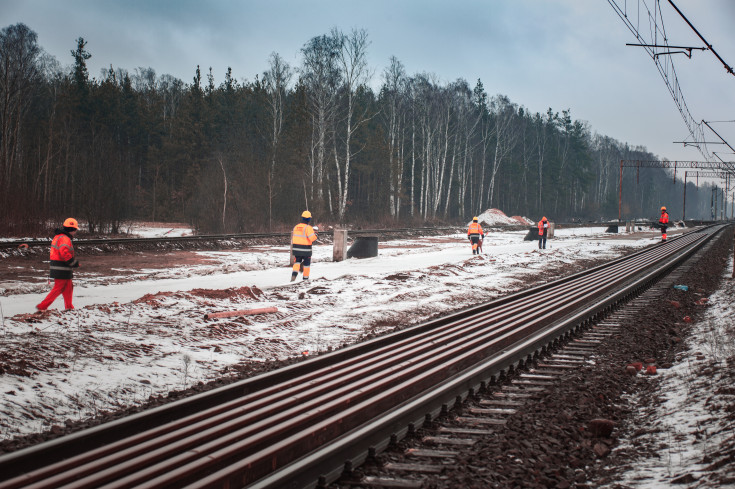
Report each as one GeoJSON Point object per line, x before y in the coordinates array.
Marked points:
{"type": "Point", "coordinates": [32, 243]}
{"type": "Point", "coordinates": [301, 425]}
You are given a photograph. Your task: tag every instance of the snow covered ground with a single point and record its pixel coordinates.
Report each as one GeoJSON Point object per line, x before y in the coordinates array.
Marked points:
{"type": "Point", "coordinates": [157, 229]}
{"type": "Point", "coordinates": [687, 431]}
{"type": "Point", "coordinates": [127, 341]}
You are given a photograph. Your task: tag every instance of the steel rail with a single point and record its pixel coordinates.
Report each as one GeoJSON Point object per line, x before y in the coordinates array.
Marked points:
{"type": "Point", "coordinates": [241, 440]}
{"type": "Point", "coordinates": [209, 237]}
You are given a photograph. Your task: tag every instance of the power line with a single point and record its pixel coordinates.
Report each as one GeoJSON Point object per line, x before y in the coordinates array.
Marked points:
{"type": "Point", "coordinates": [656, 44]}
{"type": "Point", "coordinates": [659, 49]}
{"type": "Point", "coordinates": [728, 68]}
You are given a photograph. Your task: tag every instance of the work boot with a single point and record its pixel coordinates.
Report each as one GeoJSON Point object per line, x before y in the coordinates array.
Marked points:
{"type": "Point", "coordinates": [306, 278]}
{"type": "Point", "coordinates": [293, 276]}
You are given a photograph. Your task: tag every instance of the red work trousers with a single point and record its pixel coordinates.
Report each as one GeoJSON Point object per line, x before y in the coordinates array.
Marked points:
{"type": "Point", "coordinates": [61, 287]}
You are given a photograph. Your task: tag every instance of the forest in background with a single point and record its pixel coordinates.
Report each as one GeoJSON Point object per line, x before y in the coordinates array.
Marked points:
{"type": "Point", "coordinates": [251, 155]}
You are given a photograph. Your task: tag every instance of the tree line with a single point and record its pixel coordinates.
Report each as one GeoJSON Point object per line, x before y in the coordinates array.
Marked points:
{"type": "Point", "coordinates": [251, 155]}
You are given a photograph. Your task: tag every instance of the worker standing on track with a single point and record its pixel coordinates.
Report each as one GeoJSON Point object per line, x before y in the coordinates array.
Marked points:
{"type": "Point", "coordinates": [475, 234]}
{"type": "Point", "coordinates": [663, 223]}
{"type": "Point", "coordinates": [302, 237]}
{"type": "Point", "coordinates": [62, 264]}
{"type": "Point", "coordinates": [543, 231]}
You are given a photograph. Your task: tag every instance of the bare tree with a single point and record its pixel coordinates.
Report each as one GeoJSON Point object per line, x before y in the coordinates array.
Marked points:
{"type": "Point", "coordinates": [19, 74]}
{"type": "Point", "coordinates": [505, 137]}
{"type": "Point", "coordinates": [541, 140]}
{"type": "Point", "coordinates": [275, 81]}
{"type": "Point", "coordinates": [355, 74]}
{"type": "Point", "coordinates": [224, 196]}
{"type": "Point", "coordinates": [468, 118]}
{"type": "Point", "coordinates": [321, 76]}
{"type": "Point", "coordinates": [393, 92]}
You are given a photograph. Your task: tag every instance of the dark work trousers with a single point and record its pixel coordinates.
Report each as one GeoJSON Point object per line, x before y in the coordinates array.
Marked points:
{"type": "Point", "coordinates": [542, 239]}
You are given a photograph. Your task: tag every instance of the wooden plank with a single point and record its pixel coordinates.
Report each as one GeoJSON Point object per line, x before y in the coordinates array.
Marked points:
{"type": "Point", "coordinates": [372, 481]}
{"type": "Point", "coordinates": [519, 389]}
{"type": "Point", "coordinates": [420, 468]}
{"type": "Point", "coordinates": [556, 372]}
{"type": "Point", "coordinates": [511, 395]}
{"type": "Point", "coordinates": [500, 402]}
{"type": "Point", "coordinates": [559, 365]}
{"type": "Point", "coordinates": [492, 411]}
{"type": "Point", "coordinates": [471, 420]}
{"type": "Point", "coordinates": [242, 312]}
{"type": "Point", "coordinates": [465, 431]}
{"type": "Point", "coordinates": [422, 452]}
{"type": "Point", "coordinates": [445, 440]}
{"type": "Point", "coordinates": [531, 382]}
{"type": "Point", "coordinates": [539, 377]}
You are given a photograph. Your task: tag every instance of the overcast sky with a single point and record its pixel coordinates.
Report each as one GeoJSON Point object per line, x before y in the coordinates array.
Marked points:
{"type": "Point", "coordinates": [563, 54]}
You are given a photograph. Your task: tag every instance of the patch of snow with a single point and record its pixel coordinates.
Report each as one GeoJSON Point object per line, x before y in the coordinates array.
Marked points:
{"type": "Point", "coordinates": [495, 217]}
{"type": "Point", "coordinates": [685, 434]}
{"type": "Point", "coordinates": [158, 229]}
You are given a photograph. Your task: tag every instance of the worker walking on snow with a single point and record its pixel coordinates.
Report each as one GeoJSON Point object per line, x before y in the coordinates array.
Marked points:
{"type": "Point", "coordinates": [663, 223]}
{"type": "Point", "coordinates": [543, 231]}
{"type": "Point", "coordinates": [475, 235]}
{"type": "Point", "coordinates": [62, 264]}
{"type": "Point", "coordinates": [302, 237]}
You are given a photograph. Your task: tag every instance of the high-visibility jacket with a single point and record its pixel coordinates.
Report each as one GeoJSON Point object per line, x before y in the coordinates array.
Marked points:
{"type": "Point", "coordinates": [475, 230]}
{"type": "Point", "coordinates": [664, 219]}
{"type": "Point", "coordinates": [302, 237]}
{"type": "Point", "coordinates": [543, 226]}
{"type": "Point", "coordinates": [62, 257]}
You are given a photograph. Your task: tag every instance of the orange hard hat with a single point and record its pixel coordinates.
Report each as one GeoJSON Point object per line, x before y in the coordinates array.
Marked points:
{"type": "Point", "coordinates": [663, 208]}
{"type": "Point", "coordinates": [71, 223]}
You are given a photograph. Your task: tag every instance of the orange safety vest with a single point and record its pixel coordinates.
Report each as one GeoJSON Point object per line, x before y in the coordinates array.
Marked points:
{"type": "Point", "coordinates": [541, 227]}
{"type": "Point", "coordinates": [475, 230]}
{"type": "Point", "coordinates": [302, 237]}
{"type": "Point", "coordinates": [664, 218]}
{"type": "Point", "coordinates": [62, 257]}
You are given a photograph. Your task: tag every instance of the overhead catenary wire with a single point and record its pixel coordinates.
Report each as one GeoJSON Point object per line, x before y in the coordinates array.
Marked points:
{"type": "Point", "coordinates": [664, 62]}
{"type": "Point", "coordinates": [728, 68]}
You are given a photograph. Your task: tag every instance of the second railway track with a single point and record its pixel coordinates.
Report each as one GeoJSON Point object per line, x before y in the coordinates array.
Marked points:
{"type": "Point", "coordinates": [300, 425]}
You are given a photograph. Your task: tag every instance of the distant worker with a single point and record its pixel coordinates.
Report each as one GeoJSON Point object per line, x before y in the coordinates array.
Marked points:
{"type": "Point", "coordinates": [663, 223]}
{"type": "Point", "coordinates": [301, 240]}
{"type": "Point", "coordinates": [475, 235]}
{"type": "Point", "coordinates": [62, 264]}
{"type": "Point", "coordinates": [543, 231]}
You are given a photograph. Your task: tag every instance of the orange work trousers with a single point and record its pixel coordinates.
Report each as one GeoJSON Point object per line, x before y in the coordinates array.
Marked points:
{"type": "Point", "coordinates": [61, 287]}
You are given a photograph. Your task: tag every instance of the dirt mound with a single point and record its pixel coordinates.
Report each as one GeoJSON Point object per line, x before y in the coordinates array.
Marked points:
{"type": "Point", "coordinates": [251, 292]}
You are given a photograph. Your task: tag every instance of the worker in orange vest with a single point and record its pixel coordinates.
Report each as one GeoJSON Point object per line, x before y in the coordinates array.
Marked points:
{"type": "Point", "coordinates": [62, 264]}
{"type": "Point", "coordinates": [543, 231]}
{"type": "Point", "coordinates": [302, 237]}
{"type": "Point", "coordinates": [475, 234]}
{"type": "Point", "coordinates": [663, 223]}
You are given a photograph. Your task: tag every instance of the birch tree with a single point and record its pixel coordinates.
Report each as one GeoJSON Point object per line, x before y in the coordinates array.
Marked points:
{"type": "Point", "coordinates": [355, 74]}
{"type": "Point", "coordinates": [394, 98]}
{"type": "Point", "coordinates": [321, 75]}
{"type": "Point", "coordinates": [505, 137]}
{"type": "Point", "coordinates": [275, 82]}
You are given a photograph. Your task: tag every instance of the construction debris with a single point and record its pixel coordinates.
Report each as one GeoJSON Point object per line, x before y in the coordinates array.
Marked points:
{"type": "Point", "coordinates": [242, 312]}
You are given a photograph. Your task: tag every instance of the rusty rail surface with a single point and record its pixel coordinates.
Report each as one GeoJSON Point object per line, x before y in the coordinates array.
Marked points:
{"type": "Point", "coordinates": [10, 244]}
{"type": "Point", "coordinates": [289, 427]}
